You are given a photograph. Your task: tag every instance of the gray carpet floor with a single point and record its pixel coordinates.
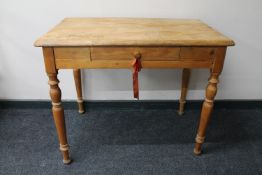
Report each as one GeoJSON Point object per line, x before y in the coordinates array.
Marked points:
{"type": "Point", "coordinates": [131, 141]}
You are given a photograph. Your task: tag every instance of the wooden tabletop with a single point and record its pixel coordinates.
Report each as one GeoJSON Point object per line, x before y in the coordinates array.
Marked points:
{"type": "Point", "coordinates": [132, 32]}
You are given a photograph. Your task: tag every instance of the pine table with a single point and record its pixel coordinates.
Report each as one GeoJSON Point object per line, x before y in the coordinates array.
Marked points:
{"type": "Point", "coordinates": [132, 43]}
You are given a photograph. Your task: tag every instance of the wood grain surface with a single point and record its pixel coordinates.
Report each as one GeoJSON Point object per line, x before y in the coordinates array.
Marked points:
{"type": "Point", "coordinates": [132, 32]}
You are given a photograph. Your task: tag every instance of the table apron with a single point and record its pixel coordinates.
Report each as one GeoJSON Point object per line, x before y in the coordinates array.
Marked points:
{"type": "Point", "coordinates": [122, 57]}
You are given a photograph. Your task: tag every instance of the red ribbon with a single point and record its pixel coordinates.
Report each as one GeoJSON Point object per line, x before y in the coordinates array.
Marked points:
{"type": "Point", "coordinates": [136, 68]}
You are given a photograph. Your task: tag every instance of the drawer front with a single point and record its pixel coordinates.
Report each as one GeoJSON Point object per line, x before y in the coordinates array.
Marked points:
{"type": "Point", "coordinates": [127, 53]}
{"type": "Point", "coordinates": [197, 53]}
{"type": "Point", "coordinates": [65, 53]}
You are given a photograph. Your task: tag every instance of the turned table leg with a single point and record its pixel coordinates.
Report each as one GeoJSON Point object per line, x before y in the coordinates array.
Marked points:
{"type": "Point", "coordinates": [184, 87]}
{"type": "Point", "coordinates": [57, 109]}
{"type": "Point", "coordinates": [208, 103]}
{"type": "Point", "coordinates": [207, 108]}
{"type": "Point", "coordinates": [78, 84]}
{"type": "Point", "coordinates": [58, 114]}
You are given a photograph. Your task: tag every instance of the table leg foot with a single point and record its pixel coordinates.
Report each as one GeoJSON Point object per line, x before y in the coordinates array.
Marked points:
{"type": "Point", "coordinates": [81, 112]}
{"type": "Point", "coordinates": [180, 113]}
{"type": "Point", "coordinates": [67, 161]}
{"type": "Point", "coordinates": [81, 108]}
{"type": "Point", "coordinates": [197, 149]}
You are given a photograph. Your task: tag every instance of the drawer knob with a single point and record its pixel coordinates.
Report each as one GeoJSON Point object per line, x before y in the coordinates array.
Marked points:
{"type": "Point", "coordinates": [137, 55]}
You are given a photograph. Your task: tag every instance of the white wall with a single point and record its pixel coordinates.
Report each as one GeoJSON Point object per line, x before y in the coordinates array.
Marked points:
{"type": "Point", "coordinates": [22, 74]}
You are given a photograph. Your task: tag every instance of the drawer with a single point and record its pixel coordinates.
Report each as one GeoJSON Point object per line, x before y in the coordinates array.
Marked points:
{"type": "Point", "coordinates": [127, 53]}
{"type": "Point", "coordinates": [197, 53]}
{"type": "Point", "coordinates": [65, 53]}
